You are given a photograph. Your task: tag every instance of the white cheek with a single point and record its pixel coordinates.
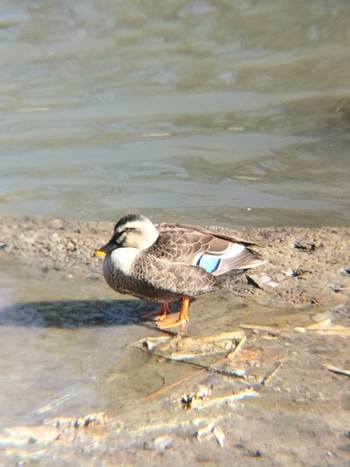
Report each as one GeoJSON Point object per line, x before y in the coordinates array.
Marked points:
{"type": "Point", "coordinates": [123, 259]}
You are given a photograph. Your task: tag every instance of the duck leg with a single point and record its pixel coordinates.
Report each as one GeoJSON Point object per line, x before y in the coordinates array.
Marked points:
{"type": "Point", "coordinates": [165, 322]}
{"type": "Point", "coordinates": [162, 313]}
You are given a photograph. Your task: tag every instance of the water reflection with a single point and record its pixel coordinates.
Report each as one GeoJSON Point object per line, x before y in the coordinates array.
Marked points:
{"type": "Point", "coordinates": [71, 357]}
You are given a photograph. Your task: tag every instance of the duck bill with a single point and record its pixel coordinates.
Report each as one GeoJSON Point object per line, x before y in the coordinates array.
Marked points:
{"type": "Point", "coordinates": [108, 248]}
{"type": "Point", "coordinates": [99, 253]}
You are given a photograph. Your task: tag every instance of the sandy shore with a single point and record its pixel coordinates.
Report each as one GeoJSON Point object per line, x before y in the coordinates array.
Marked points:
{"type": "Point", "coordinates": [303, 266]}
{"type": "Point", "coordinates": [292, 408]}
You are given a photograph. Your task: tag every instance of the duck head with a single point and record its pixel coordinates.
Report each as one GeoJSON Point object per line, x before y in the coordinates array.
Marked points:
{"type": "Point", "coordinates": [132, 231]}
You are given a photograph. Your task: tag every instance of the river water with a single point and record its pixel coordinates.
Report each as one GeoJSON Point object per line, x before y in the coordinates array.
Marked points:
{"type": "Point", "coordinates": [234, 113]}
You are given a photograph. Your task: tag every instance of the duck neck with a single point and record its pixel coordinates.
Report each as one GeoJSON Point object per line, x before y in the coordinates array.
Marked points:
{"type": "Point", "coordinates": [149, 239]}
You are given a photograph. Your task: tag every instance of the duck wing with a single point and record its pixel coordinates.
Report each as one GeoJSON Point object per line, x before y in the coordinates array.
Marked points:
{"type": "Point", "coordinates": [212, 251]}
{"type": "Point", "coordinates": [178, 278]}
{"type": "Point", "coordinates": [164, 227]}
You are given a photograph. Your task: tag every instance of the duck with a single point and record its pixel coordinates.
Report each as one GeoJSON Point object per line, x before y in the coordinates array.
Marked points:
{"type": "Point", "coordinates": [167, 262]}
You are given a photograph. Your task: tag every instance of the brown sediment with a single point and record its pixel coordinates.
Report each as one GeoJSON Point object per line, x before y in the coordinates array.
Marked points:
{"type": "Point", "coordinates": [302, 266]}
{"type": "Point", "coordinates": [280, 396]}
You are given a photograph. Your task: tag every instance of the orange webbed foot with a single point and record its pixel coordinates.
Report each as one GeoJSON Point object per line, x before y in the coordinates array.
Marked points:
{"type": "Point", "coordinates": [162, 313]}
{"type": "Point", "coordinates": [165, 322]}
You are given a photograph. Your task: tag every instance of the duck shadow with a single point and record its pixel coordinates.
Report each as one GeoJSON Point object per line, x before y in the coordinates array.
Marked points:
{"type": "Point", "coordinates": [78, 313]}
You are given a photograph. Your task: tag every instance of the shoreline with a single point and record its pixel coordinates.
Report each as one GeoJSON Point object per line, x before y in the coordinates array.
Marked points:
{"type": "Point", "coordinates": [290, 407]}
{"type": "Point", "coordinates": [303, 266]}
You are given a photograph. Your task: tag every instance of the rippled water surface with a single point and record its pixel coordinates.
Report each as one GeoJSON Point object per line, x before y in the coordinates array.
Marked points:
{"type": "Point", "coordinates": [233, 113]}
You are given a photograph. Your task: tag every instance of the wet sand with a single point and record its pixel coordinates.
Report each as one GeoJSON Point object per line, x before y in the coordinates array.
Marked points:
{"type": "Point", "coordinates": [288, 405]}
{"type": "Point", "coordinates": [306, 264]}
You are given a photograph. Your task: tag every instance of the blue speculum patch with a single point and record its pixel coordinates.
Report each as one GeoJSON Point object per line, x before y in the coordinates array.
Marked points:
{"type": "Point", "coordinates": [209, 263]}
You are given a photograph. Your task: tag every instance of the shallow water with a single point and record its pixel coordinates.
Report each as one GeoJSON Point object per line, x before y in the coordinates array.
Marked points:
{"type": "Point", "coordinates": [66, 352]}
{"type": "Point", "coordinates": [232, 113]}
{"type": "Point", "coordinates": [69, 353]}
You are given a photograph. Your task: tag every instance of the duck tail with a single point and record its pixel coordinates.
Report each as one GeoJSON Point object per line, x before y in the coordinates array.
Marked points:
{"type": "Point", "coordinates": [247, 258]}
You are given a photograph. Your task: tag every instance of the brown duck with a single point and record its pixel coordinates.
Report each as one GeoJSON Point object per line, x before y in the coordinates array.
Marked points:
{"type": "Point", "coordinates": [167, 262]}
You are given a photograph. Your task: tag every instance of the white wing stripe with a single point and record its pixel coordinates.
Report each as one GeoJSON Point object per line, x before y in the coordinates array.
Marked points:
{"type": "Point", "coordinates": [234, 250]}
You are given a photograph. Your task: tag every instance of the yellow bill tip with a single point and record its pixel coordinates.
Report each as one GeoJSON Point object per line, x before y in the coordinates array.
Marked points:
{"type": "Point", "coordinates": [100, 253]}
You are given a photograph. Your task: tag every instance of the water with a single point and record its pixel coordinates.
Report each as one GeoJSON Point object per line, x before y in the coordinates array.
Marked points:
{"type": "Point", "coordinates": [232, 113]}
{"type": "Point", "coordinates": [229, 113]}
{"type": "Point", "coordinates": [67, 344]}
{"type": "Point", "coordinates": [68, 351]}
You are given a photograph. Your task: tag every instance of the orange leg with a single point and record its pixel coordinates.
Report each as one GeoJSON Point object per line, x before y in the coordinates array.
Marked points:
{"type": "Point", "coordinates": [164, 311]}
{"type": "Point", "coordinates": [183, 316]}
{"type": "Point", "coordinates": [166, 322]}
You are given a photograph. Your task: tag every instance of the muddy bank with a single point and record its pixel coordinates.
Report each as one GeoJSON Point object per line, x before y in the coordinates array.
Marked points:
{"type": "Point", "coordinates": [304, 267]}
{"type": "Point", "coordinates": [277, 394]}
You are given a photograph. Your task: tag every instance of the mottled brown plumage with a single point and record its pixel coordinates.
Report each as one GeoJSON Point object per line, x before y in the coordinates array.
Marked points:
{"type": "Point", "coordinates": [167, 262]}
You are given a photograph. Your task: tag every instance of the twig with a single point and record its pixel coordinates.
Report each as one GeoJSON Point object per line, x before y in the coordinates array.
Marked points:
{"type": "Point", "coordinates": [212, 368]}
{"type": "Point", "coordinates": [257, 327]}
{"type": "Point", "coordinates": [52, 405]}
{"type": "Point", "coordinates": [251, 391]}
{"type": "Point", "coordinates": [266, 379]}
{"type": "Point", "coordinates": [167, 387]}
{"type": "Point", "coordinates": [237, 349]}
{"type": "Point", "coordinates": [337, 370]}
{"type": "Point", "coordinates": [203, 368]}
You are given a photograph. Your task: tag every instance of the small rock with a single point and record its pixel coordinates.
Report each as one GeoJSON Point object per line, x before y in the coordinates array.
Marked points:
{"type": "Point", "coordinates": [160, 444]}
